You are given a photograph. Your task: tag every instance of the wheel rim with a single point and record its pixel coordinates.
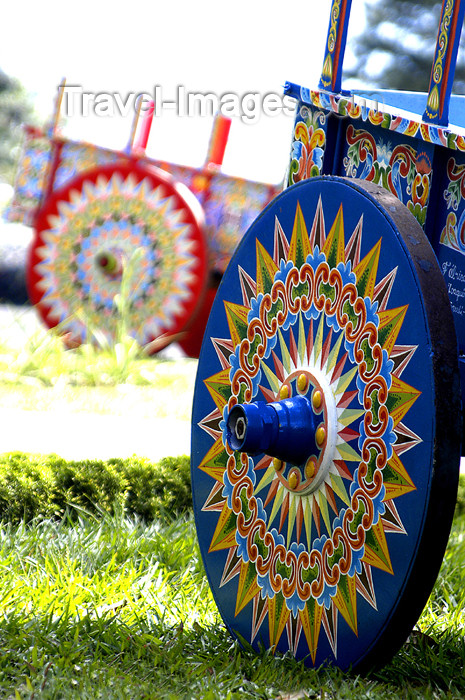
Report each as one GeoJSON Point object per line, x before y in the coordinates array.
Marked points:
{"type": "Point", "coordinates": [334, 563]}
{"type": "Point", "coordinates": [88, 232]}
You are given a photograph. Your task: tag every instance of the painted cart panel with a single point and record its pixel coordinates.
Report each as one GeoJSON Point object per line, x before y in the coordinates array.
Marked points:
{"type": "Point", "coordinates": [230, 204]}
{"type": "Point", "coordinates": [422, 164]}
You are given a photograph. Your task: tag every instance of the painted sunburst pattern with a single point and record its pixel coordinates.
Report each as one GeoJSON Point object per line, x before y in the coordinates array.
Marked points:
{"type": "Point", "coordinates": [301, 538]}
{"type": "Point", "coordinates": [120, 217]}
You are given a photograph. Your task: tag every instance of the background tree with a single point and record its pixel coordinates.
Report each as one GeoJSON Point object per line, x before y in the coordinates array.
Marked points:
{"type": "Point", "coordinates": [396, 48]}
{"type": "Point", "coordinates": [15, 109]}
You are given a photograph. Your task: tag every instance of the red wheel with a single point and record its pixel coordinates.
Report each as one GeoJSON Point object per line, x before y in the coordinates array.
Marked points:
{"type": "Point", "coordinates": [118, 218]}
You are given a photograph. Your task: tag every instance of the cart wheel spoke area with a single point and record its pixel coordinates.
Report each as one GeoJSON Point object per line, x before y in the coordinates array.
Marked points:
{"type": "Point", "coordinates": [119, 243]}
{"type": "Point", "coordinates": [324, 460]}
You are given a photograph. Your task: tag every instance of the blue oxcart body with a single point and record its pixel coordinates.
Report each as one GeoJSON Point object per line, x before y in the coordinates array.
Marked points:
{"type": "Point", "coordinates": [327, 424]}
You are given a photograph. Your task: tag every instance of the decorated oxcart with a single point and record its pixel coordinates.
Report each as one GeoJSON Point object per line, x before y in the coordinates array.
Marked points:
{"type": "Point", "coordinates": [95, 211]}
{"type": "Point", "coordinates": [326, 432]}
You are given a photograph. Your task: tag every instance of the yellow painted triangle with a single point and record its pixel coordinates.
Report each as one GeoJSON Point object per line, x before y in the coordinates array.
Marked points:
{"type": "Point", "coordinates": [214, 462]}
{"type": "Point", "coordinates": [308, 518]}
{"type": "Point", "coordinates": [310, 618]}
{"type": "Point", "coordinates": [115, 185]}
{"type": "Point", "coordinates": [349, 415]}
{"type": "Point", "coordinates": [224, 536]}
{"type": "Point", "coordinates": [291, 519]}
{"type": "Point", "coordinates": [277, 503]}
{"type": "Point", "coordinates": [401, 397]}
{"type": "Point", "coordinates": [403, 485]}
{"type": "Point", "coordinates": [266, 269]}
{"type": "Point", "coordinates": [247, 587]}
{"type": "Point", "coordinates": [378, 554]}
{"type": "Point", "coordinates": [348, 454]}
{"type": "Point", "coordinates": [323, 503]}
{"type": "Point", "coordinates": [334, 245]}
{"type": "Point", "coordinates": [318, 343]}
{"type": "Point", "coordinates": [345, 380]}
{"type": "Point", "coordinates": [219, 386]}
{"type": "Point", "coordinates": [338, 486]}
{"type": "Point", "coordinates": [278, 614]}
{"type": "Point", "coordinates": [333, 355]}
{"type": "Point", "coordinates": [266, 479]}
{"type": "Point", "coordinates": [302, 343]}
{"type": "Point", "coordinates": [273, 380]}
{"type": "Point", "coordinates": [365, 272]}
{"type": "Point", "coordinates": [390, 323]}
{"type": "Point", "coordinates": [285, 354]}
{"type": "Point", "coordinates": [299, 247]}
{"type": "Point", "coordinates": [346, 600]}
{"type": "Point", "coordinates": [237, 321]}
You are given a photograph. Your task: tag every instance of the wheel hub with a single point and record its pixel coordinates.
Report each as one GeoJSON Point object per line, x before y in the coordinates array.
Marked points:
{"type": "Point", "coordinates": [298, 430]}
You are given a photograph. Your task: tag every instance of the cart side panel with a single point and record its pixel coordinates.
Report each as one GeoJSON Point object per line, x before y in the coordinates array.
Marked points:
{"type": "Point", "coordinates": [423, 165]}
{"type": "Point", "coordinates": [230, 206]}
{"type": "Point", "coordinates": [401, 165]}
{"type": "Point", "coordinates": [77, 157]}
{"type": "Point", "coordinates": [328, 143]}
{"type": "Point", "coordinates": [31, 179]}
{"type": "Point", "coordinates": [447, 235]}
{"type": "Point", "coordinates": [45, 164]}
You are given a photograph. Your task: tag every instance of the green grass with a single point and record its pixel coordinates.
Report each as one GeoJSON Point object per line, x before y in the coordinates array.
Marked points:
{"type": "Point", "coordinates": [43, 375]}
{"type": "Point", "coordinates": [102, 590]}
{"type": "Point", "coordinates": [110, 607]}
{"type": "Point", "coordinates": [41, 358]}
{"type": "Point", "coordinates": [98, 602]}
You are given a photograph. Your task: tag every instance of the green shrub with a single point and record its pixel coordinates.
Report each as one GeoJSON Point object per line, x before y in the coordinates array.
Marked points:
{"type": "Point", "coordinates": [89, 483]}
{"type": "Point", "coordinates": [45, 486]}
{"type": "Point", "coordinates": [26, 489]}
{"type": "Point", "coordinates": [158, 489]}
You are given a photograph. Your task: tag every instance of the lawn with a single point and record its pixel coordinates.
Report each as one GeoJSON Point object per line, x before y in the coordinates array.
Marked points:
{"type": "Point", "coordinates": [102, 590]}
{"type": "Point", "coordinates": [110, 606]}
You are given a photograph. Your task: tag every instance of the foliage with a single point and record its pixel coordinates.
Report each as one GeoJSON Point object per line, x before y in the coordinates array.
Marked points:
{"type": "Point", "coordinates": [460, 506]}
{"type": "Point", "coordinates": [46, 486]}
{"type": "Point", "coordinates": [45, 359]}
{"type": "Point", "coordinates": [15, 109]}
{"type": "Point", "coordinates": [110, 607]}
{"type": "Point", "coordinates": [34, 486]}
{"type": "Point", "coordinates": [396, 48]}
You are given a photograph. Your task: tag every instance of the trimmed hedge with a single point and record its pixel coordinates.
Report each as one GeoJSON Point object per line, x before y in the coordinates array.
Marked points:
{"type": "Point", "coordinates": [34, 486]}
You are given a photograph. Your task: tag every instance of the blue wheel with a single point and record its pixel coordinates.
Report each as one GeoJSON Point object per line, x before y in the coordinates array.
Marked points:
{"type": "Point", "coordinates": [326, 427]}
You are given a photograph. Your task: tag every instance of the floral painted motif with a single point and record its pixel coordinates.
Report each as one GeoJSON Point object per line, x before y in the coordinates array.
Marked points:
{"type": "Point", "coordinates": [231, 206]}
{"type": "Point", "coordinates": [77, 157]}
{"type": "Point", "coordinates": [302, 553]}
{"type": "Point", "coordinates": [453, 233]}
{"type": "Point", "coordinates": [116, 217]}
{"type": "Point", "coordinates": [400, 169]}
{"type": "Point", "coordinates": [308, 146]}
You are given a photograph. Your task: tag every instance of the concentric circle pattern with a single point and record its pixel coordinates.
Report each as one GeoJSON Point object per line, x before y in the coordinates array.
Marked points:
{"type": "Point", "coordinates": [132, 220]}
{"type": "Point", "coordinates": [320, 300]}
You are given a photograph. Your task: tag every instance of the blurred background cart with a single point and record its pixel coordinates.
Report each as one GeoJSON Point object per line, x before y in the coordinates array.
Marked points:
{"type": "Point", "coordinates": [93, 209]}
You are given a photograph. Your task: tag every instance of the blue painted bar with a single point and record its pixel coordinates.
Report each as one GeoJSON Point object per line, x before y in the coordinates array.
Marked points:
{"type": "Point", "coordinates": [445, 59]}
{"type": "Point", "coordinates": [335, 45]}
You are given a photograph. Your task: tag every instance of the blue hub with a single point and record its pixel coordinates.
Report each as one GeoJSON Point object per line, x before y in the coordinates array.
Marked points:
{"type": "Point", "coordinates": [283, 429]}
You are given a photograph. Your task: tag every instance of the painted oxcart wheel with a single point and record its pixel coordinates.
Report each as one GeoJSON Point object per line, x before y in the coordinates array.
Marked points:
{"type": "Point", "coordinates": [111, 219]}
{"type": "Point", "coordinates": [326, 427]}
